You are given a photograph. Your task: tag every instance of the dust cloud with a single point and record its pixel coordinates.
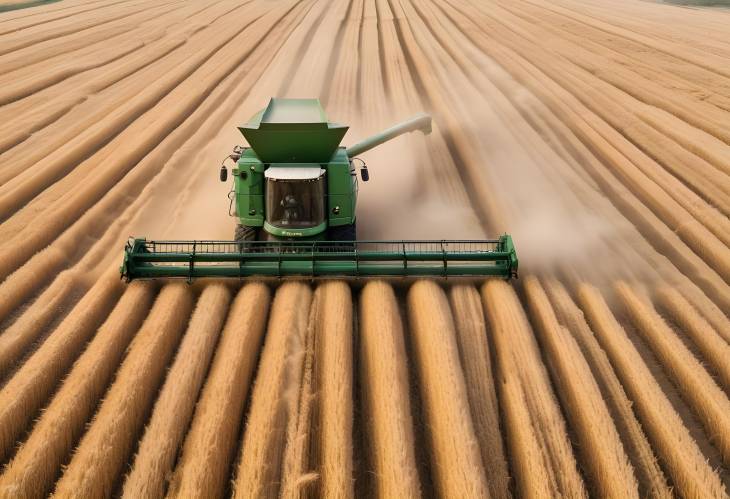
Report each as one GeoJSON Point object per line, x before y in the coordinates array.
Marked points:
{"type": "Point", "coordinates": [194, 205]}
{"type": "Point", "coordinates": [558, 217]}
{"type": "Point", "coordinates": [401, 201]}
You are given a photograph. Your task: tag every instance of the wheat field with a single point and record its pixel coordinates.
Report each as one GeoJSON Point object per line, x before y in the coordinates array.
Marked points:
{"type": "Point", "coordinates": [595, 132]}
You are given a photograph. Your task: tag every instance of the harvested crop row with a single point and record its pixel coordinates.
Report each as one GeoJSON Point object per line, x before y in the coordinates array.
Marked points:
{"type": "Point", "coordinates": [28, 80]}
{"type": "Point", "coordinates": [543, 462]}
{"type": "Point", "coordinates": [36, 272]}
{"type": "Point", "coordinates": [86, 127]}
{"type": "Point", "coordinates": [652, 482]}
{"type": "Point", "coordinates": [384, 374]}
{"type": "Point", "coordinates": [220, 103]}
{"type": "Point", "coordinates": [623, 87]}
{"type": "Point", "coordinates": [474, 350]}
{"type": "Point", "coordinates": [275, 398]}
{"type": "Point", "coordinates": [714, 348]}
{"type": "Point", "coordinates": [41, 267]}
{"type": "Point", "coordinates": [31, 385]}
{"type": "Point", "coordinates": [297, 476]}
{"type": "Point", "coordinates": [687, 467]}
{"type": "Point", "coordinates": [108, 443]}
{"type": "Point", "coordinates": [18, 337]}
{"type": "Point", "coordinates": [70, 110]}
{"type": "Point", "coordinates": [39, 33]}
{"type": "Point", "coordinates": [147, 131]}
{"type": "Point", "coordinates": [607, 466]}
{"type": "Point", "coordinates": [334, 367]}
{"type": "Point", "coordinates": [454, 450]}
{"type": "Point", "coordinates": [174, 406]}
{"type": "Point", "coordinates": [33, 470]}
{"type": "Point", "coordinates": [561, 103]}
{"type": "Point", "coordinates": [208, 451]}
{"type": "Point", "coordinates": [696, 235]}
{"type": "Point", "coordinates": [707, 400]}
{"type": "Point", "coordinates": [96, 54]}
{"type": "Point", "coordinates": [21, 18]}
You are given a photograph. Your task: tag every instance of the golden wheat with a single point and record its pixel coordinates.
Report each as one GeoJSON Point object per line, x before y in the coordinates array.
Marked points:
{"type": "Point", "coordinates": [651, 478]}
{"type": "Point", "coordinates": [536, 431]}
{"type": "Point", "coordinates": [174, 406]}
{"type": "Point", "coordinates": [275, 397]}
{"type": "Point", "coordinates": [607, 466]}
{"type": "Point", "coordinates": [455, 458]}
{"type": "Point", "coordinates": [701, 392]}
{"type": "Point", "coordinates": [208, 450]}
{"type": "Point", "coordinates": [480, 384]}
{"type": "Point", "coordinates": [334, 364]}
{"type": "Point", "coordinates": [715, 350]}
{"type": "Point", "coordinates": [31, 385]}
{"type": "Point", "coordinates": [33, 470]}
{"type": "Point", "coordinates": [108, 443]}
{"type": "Point", "coordinates": [386, 403]}
{"type": "Point", "coordinates": [684, 462]}
{"type": "Point", "coordinates": [296, 480]}
{"type": "Point", "coordinates": [28, 327]}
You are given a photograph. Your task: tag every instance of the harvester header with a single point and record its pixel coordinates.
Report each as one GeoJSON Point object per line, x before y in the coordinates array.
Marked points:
{"type": "Point", "coordinates": [294, 196]}
{"type": "Point", "coordinates": [193, 259]}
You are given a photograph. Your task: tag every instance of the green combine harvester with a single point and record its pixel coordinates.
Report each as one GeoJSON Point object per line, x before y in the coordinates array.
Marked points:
{"type": "Point", "coordinates": [294, 196]}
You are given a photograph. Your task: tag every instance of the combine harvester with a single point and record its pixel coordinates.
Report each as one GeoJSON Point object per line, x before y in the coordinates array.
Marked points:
{"type": "Point", "coordinates": [294, 195]}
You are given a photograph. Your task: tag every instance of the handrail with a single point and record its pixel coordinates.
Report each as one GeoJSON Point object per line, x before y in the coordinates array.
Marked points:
{"type": "Point", "coordinates": [194, 259]}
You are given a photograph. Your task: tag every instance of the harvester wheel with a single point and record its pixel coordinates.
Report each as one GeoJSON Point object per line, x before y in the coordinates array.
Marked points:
{"type": "Point", "coordinates": [246, 233]}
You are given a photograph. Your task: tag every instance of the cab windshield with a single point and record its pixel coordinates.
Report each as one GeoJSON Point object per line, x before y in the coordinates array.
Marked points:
{"type": "Point", "coordinates": [296, 204]}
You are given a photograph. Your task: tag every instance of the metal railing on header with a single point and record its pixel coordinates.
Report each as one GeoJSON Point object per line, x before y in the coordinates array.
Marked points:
{"type": "Point", "coordinates": [405, 246]}
{"type": "Point", "coordinates": [194, 259]}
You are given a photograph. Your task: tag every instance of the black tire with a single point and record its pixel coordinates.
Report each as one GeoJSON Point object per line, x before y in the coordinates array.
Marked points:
{"type": "Point", "coordinates": [343, 233]}
{"type": "Point", "coordinates": [245, 233]}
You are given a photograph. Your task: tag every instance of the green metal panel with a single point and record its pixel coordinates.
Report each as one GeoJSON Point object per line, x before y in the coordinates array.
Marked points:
{"type": "Point", "coordinates": [249, 189]}
{"type": "Point", "coordinates": [306, 232]}
{"type": "Point", "coordinates": [293, 130]}
{"type": "Point", "coordinates": [192, 259]}
{"type": "Point", "coordinates": [341, 190]}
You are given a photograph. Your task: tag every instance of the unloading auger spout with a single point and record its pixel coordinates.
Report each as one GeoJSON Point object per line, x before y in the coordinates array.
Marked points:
{"type": "Point", "coordinates": [294, 197]}
{"type": "Point", "coordinates": [420, 122]}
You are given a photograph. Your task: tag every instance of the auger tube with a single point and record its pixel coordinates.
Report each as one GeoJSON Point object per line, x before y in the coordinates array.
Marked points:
{"type": "Point", "coordinates": [420, 122]}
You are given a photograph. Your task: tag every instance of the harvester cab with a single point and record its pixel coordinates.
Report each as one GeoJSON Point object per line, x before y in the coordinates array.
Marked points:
{"type": "Point", "coordinates": [295, 181]}
{"type": "Point", "coordinates": [294, 197]}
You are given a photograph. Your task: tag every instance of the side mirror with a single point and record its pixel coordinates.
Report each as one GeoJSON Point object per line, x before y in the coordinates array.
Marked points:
{"type": "Point", "coordinates": [224, 173]}
{"type": "Point", "coordinates": [365, 174]}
